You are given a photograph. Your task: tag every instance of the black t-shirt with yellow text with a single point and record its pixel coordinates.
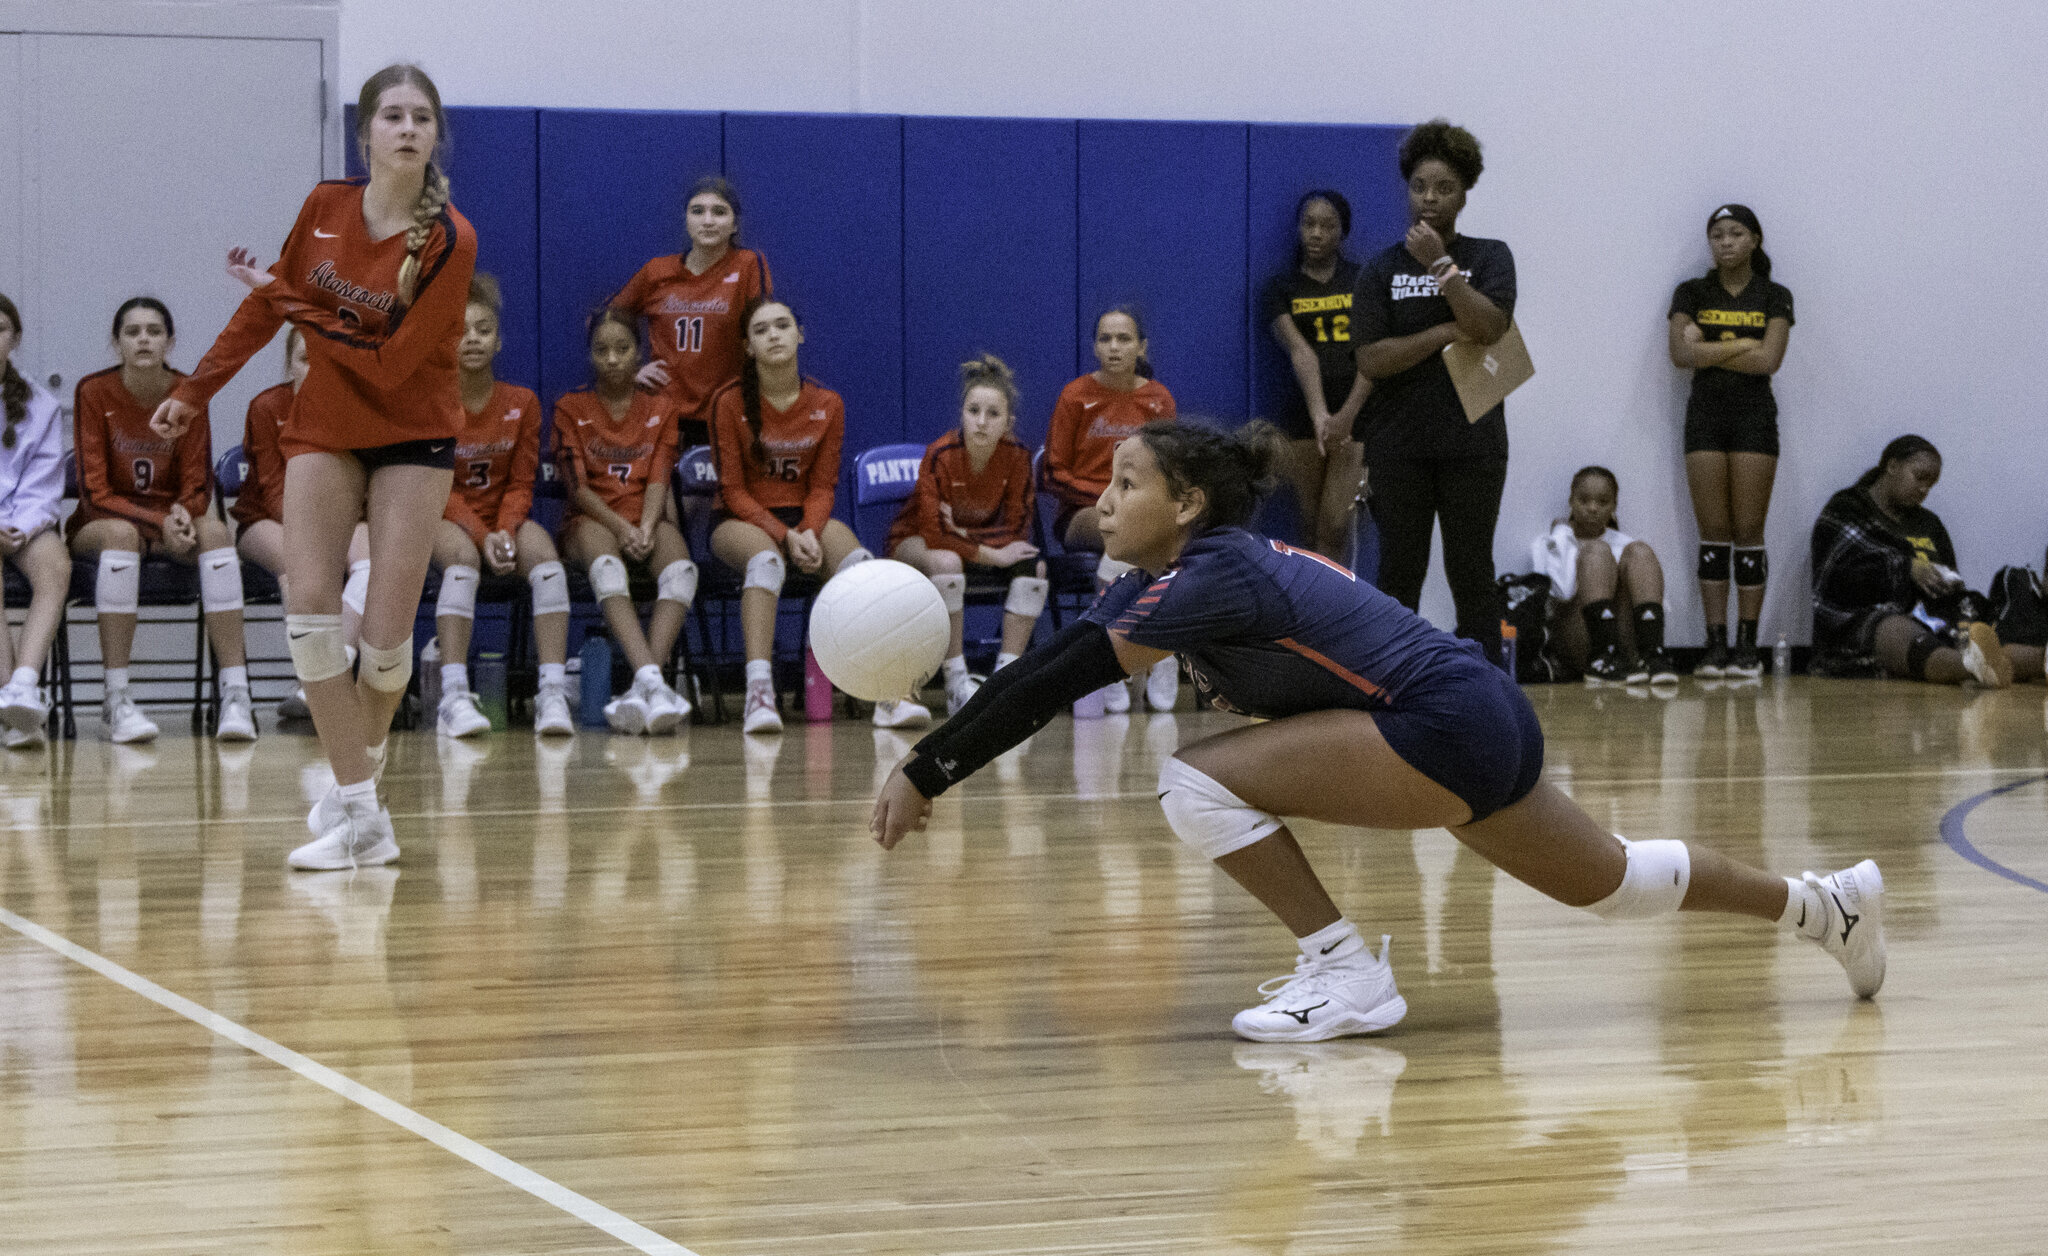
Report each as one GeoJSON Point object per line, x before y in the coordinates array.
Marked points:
{"type": "Point", "coordinates": [1321, 310]}
{"type": "Point", "coordinates": [1720, 316]}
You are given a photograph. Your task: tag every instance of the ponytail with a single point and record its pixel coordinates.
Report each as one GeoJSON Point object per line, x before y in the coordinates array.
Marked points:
{"type": "Point", "coordinates": [1899, 450]}
{"type": "Point", "coordinates": [1759, 261]}
{"type": "Point", "coordinates": [1234, 470]}
{"type": "Point", "coordinates": [14, 390]}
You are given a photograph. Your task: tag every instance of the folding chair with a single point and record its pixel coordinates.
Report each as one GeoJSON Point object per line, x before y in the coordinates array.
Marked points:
{"type": "Point", "coordinates": [883, 479]}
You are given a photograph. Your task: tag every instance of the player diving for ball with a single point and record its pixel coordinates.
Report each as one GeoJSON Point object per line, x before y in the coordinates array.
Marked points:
{"type": "Point", "coordinates": [1372, 717]}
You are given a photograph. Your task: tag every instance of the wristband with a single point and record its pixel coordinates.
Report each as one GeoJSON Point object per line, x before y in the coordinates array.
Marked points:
{"type": "Point", "coordinates": [1445, 260]}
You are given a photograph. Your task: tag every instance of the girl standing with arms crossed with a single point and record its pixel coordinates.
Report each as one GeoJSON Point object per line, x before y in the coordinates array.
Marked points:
{"type": "Point", "coordinates": [377, 273]}
{"type": "Point", "coordinates": [31, 494]}
{"type": "Point", "coordinates": [1729, 327]}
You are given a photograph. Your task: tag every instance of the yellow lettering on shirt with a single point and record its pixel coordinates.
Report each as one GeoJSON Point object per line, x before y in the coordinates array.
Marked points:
{"type": "Point", "coordinates": [1316, 305]}
{"type": "Point", "coordinates": [1730, 318]}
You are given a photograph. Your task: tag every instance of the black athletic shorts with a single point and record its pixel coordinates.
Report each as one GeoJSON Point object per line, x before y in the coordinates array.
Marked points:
{"type": "Point", "coordinates": [1472, 731]}
{"type": "Point", "coordinates": [1743, 431]}
{"type": "Point", "coordinates": [791, 517]}
{"type": "Point", "coordinates": [438, 455]}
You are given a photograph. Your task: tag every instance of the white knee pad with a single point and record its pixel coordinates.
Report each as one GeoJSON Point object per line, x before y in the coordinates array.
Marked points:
{"type": "Point", "coordinates": [1654, 884]}
{"type": "Point", "coordinates": [1109, 570]}
{"type": "Point", "coordinates": [458, 593]}
{"type": "Point", "coordinates": [550, 585]}
{"type": "Point", "coordinates": [356, 591]}
{"type": "Point", "coordinates": [318, 652]}
{"type": "Point", "coordinates": [118, 589]}
{"type": "Point", "coordinates": [1027, 597]}
{"type": "Point", "coordinates": [1207, 816]}
{"type": "Point", "coordinates": [859, 555]}
{"type": "Point", "coordinates": [952, 591]}
{"type": "Point", "coordinates": [220, 580]}
{"type": "Point", "coordinates": [387, 667]}
{"type": "Point", "coordinates": [677, 582]}
{"type": "Point", "coordinates": [607, 576]}
{"type": "Point", "coordinates": [765, 571]}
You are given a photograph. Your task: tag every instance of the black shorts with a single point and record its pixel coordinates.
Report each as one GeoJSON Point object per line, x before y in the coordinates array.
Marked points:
{"type": "Point", "coordinates": [437, 455]}
{"type": "Point", "coordinates": [1744, 431]}
{"type": "Point", "coordinates": [1472, 731]}
{"type": "Point", "coordinates": [1293, 420]}
{"type": "Point", "coordinates": [788, 516]}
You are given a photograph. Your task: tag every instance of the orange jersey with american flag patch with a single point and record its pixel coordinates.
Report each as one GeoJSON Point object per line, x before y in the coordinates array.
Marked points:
{"type": "Point", "coordinates": [618, 459]}
{"type": "Point", "coordinates": [262, 495]}
{"type": "Point", "coordinates": [1088, 422]}
{"type": "Point", "coordinates": [381, 372]}
{"type": "Point", "coordinates": [497, 457]}
{"type": "Point", "coordinates": [803, 458]}
{"type": "Point", "coordinates": [990, 507]}
{"type": "Point", "coordinates": [125, 470]}
{"type": "Point", "coordinates": [693, 322]}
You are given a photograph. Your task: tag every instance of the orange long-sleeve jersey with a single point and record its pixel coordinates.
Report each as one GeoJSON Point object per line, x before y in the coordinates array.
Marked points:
{"type": "Point", "coordinates": [619, 460]}
{"type": "Point", "coordinates": [693, 322]}
{"type": "Point", "coordinates": [379, 374]}
{"type": "Point", "coordinates": [992, 506]}
{"type": "Point", "coordinates": [803, 458]}
{"type": "Point", "coordinates": [262, 495]}
{"type": "Point", "coordinates": [1088, 422]}
{"type": "Point", "coordinates": [125, 470]}
{"type": "Point", "coordinates": [497, 457]}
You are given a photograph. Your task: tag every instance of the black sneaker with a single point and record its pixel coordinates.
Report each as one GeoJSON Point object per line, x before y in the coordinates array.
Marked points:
{"type": "Point", "coordinates": [1744, 663]}
{"type": "Point", "coordinates": [1662, 670]}
{"type": "Point", "coordinates": [1605, 668]}
{"type": "Point", "coordinates": [1638, 671]}
{"type": "Point", "coordinates": [1714, 663]}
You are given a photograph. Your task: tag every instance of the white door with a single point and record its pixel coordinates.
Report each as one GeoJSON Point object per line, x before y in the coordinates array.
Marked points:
{"type": "Point", "coordinates": [10, 172]}
{"type": "Point", "coordinates": [146, 158]}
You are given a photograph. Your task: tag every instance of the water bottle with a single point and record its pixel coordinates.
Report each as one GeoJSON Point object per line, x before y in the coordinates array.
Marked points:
{"type": "Point", "coordinates": [1507, 649]}
{"type": "Point", "coordinates": [595, 662]}
{"type": "Point", "coordinates": [1781, 658]}
{"type": "Point", "coordinates": [487, 681]}
{"type": "Point", "coordinates": [817, 690]}
{"type": "Point", "coordinates": [430, 677]}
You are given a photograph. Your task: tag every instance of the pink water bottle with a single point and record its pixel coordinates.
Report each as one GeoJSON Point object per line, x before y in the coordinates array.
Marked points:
{"type": "Point", "coordinates": [817, 690]}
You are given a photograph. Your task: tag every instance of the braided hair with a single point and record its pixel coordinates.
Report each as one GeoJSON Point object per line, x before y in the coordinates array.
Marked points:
{"type": "Point", "coordinates": [14, 389]}
{"type": "Point", "coordinates": [433, 189]}
{"type": "Point", "coordinates": [750, 375]}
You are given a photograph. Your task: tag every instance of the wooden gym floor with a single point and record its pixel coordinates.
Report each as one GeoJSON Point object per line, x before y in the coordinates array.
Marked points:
{"type": "Point", "coordinates": [665, 996]}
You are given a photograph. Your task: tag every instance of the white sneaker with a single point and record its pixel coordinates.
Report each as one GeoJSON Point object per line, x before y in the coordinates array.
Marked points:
{"type": "Point", "coordinates": [902, 713]}
{"type": "Point", "coordinates": [1162, 687]}
{"type": "Point", "coordinates": [237, 717]}
{"type": "Point", "coordinates": [360, 838]}
{"type": "Point", "coordinates": [665, 708]}
{"type": "Point", "coordinates": [461, 715]}
{"type": "Point", "coordinates": [1116, 698]}
{"type": "Point", "coordinates": [25, 738]}
{"type": "Point", "coordinates": [761, 716]}
{"type": "Point", "coordinates": [627, 713]}
{"type": "Point", "coordinates": [1855, 936]}
{"type": "Point", "coordinates": [959, 692]}
{"type": "Point", "coordinates": [1320, 1000]}
{"type": "Point", "coordinates": [294, 707]}
{"type": "Point", "coordinates": [551, 714]}
{"type": "Point", "coordinates": [22, 707]}
{"type": "Point", "coordinates": [125, 721]}
{"type": "Point", "coordinates": [1985, 659]}
{"type": "Point", "coordinates": [326, 813]}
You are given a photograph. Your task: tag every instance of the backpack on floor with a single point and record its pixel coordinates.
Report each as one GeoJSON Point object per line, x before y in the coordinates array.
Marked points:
{"type": "Point", "coordinates": [1525, 603]}
{"type": "Point", "coordinates": [2018, 612]}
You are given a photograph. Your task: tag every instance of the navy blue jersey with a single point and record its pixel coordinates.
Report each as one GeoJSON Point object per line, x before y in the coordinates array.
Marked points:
{"type": "Point", "coordinates": [1270, 630]}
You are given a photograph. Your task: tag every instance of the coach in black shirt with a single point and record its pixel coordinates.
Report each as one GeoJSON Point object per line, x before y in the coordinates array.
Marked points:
{"type": "Point", "coordinates": [1427, 463]}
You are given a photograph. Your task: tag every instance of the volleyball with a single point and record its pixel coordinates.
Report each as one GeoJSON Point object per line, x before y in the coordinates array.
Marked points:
{"type": "Point", "coordinates": [879, 629]}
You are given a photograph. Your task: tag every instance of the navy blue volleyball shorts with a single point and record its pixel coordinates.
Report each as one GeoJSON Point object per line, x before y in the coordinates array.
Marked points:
{"type": "Point", "coordinates": [1472, 731]}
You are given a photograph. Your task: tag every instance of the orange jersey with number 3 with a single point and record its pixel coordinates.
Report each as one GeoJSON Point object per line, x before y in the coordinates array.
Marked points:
{"type": "Point", "coordinates": [497, 456]}
{"type": "Point", "coordinates": [616, 459]}
{"type": "Point", "coordinates": [803, 458]}
{"type": "Point", "coordinates": [693, 322]}
{"type": "Point", "coordinates": [125, 470]}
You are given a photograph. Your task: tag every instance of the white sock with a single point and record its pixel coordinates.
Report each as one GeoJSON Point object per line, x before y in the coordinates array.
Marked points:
{"type": "Point", "coordinates": [1804, 913]}
{"type": "Point", "coordinates": [763, 671]}
{"type": "Point", "coordinates": [363, 792]}
{"type": "Point", "coordinates": [454, 678]}
{"type": "Point", "coordinates": [1004, 660]}
{"type": "Point", "coordinates": [117, 679]}
{"type": "Point", "coordinates": [234, 677]}
{"type": "Point", "coordinates": [1332, 942]}
{"type": "Point", "coordinates": [556, 674]}
{"type": "Point", "coordinates": [955, 669]}
{"type": "Point", "coordinates": [376, 753]}
{"type": "Point", "coordinates": [26, 676]}
{"type": "Point", "coordinates": [649, 677]}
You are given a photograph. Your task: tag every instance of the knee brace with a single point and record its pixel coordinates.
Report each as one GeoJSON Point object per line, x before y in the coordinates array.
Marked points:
{"type": "Point", "coordinates": [1207, 816]}
{"type": "Point", "coordinates": [220, 580]}
{"type": "Point", "coordinates": [118, 590]}
{"type": "Point", "coordinates": [607, 577]}
{"type": "Point", "coordinates": [458, 593]}
{"type": "Point", "coordinates": [952, 591]}
{"type": "Point", "coordinates": [1109, 570]}
{"type": "Point", "coordinates": [387, 667]}
{"type": "Point", "coordinates": [1027, 597]}
{"type": "Point", "coordinates": [1653, 885]}
{"type": "Point", "coordinates": [550, 585]}
{"type": "Point", "coordinates": [765, 571]}
{"type": "Point", "coordinates": [860, 554]}
{"type": "Point", "coordinates": [1923, 645]}
{"type": "Point", "coordinates": [1752, 566]}
{"type": "Point", "coordinates": [357, 588]}
{"type": "Point", "coordinates": [1715, 557]}
{"type": "Point", "coordinates": [318, 652]}
{"type": "Point", "coordinates": [677, 582]}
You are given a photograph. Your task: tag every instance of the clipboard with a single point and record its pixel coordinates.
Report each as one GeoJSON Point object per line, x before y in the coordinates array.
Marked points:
{"type": "Point", "coordinates": [1485, 374]}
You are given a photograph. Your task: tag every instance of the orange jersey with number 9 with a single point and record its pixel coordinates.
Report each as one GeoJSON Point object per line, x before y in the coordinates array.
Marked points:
{"type": "Point", "coordinates": [616, 459]}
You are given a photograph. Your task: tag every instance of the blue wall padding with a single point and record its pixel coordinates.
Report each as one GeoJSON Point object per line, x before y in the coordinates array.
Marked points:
{"type": "Point", "coordinates": [989, 262]}
{"type": "Point", "coordinates": [1283, 162]}
{"type": "Point", "coordinates": [1162, 227]}
{"type": "Point", "coordinates": [822, 196]}
{"type": "Point", "coordinates": [611, 193]}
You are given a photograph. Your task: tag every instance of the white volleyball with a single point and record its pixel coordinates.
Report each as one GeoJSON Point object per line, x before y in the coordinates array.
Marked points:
{"type": "Point", "coordinates": [879, 629]}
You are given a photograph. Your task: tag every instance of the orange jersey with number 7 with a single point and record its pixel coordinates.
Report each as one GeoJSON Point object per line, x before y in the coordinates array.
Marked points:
{"type": "Point", "coordinates": [618, 459]}
{"type": "Point", "coordinates": [497, 456]}
{"type": "Point", "coordinates": [803, 458]}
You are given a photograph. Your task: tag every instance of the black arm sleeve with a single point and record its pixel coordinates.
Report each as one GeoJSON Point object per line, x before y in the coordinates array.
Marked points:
{"type": "Point", "coordinates": [1015, 703]}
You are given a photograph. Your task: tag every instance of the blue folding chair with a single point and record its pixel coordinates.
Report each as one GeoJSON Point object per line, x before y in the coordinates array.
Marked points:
{"type": "Point", "coordinates": [883, 479]}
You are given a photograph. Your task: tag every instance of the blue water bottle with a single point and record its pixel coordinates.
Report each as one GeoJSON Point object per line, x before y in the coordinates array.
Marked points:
{"type": "Point", "coordinates": [595, 660]}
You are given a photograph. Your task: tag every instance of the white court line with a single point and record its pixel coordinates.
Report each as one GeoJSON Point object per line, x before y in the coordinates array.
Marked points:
{"type": "Point", "coordinates": [547, 1190]}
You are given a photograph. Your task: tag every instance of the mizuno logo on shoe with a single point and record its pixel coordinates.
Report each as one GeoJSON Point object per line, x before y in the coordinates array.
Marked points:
{"type": "Point", "coordinates": [1848, 920]}
{"type": "Point", "coordinates": [1302, 1015]}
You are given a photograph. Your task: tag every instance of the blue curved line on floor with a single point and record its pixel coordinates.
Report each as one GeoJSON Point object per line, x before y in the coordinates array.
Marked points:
{"type": "Point", "coordinates": [1959, 842]}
